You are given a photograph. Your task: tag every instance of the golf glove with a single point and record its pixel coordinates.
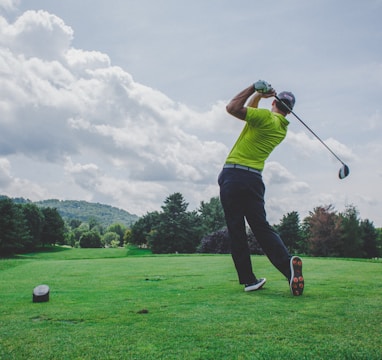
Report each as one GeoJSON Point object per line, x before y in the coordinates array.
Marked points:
{"type": "Point", "coordinates": [262, 86]}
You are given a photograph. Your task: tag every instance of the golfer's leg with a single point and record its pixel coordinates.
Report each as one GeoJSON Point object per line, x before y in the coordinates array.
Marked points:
{"type": "Point", "coordinates": [239, 249]}
{"type": "Point", "coordinates": [269, 240]}
{"type": "Point", "coordinates": [231, 197]}
{"type": "Point", "coordinates": [273, 247]}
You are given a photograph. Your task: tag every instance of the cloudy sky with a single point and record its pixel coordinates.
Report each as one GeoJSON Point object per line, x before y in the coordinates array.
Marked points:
{"type": "Point", "coordinates": [123, 102]}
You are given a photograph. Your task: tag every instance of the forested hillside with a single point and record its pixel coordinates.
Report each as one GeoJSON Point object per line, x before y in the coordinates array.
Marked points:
{"type": "Point", "coordinates": [105, 215]}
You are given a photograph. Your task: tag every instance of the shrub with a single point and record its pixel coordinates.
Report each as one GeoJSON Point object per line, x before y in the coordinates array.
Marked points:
{"type": "Point", "coordinates": [90, 239]}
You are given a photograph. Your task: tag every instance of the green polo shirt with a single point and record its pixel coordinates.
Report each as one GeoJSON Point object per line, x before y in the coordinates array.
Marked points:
{"type": "Point", "coordinates": [263, 131]}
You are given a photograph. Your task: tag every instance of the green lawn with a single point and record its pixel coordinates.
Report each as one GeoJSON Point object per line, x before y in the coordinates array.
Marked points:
{"type": "Point", "coordinates": [113, 304]}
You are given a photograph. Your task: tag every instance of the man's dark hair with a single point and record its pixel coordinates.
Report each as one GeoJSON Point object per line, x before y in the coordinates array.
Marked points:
{"type": "Point", "coordinates": [282, 107]}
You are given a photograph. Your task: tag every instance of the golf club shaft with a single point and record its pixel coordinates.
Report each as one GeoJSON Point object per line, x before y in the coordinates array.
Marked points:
{"type": "Point", "coordinates": [303, 123]}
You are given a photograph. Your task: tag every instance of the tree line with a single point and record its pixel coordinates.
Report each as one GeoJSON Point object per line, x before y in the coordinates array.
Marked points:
{"type": "Point", "coordinates": [26, 227]}
{"type": "Point", "coordinates": [325, 232]}
{"type": "Point", "coordinates": [174, 229]}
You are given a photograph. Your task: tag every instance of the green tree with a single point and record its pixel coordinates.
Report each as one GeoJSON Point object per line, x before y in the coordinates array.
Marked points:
{"type": "Point", "coordinates": [178, 230]}
{"type": "Point", "coordinates": [369, 239]}
{"type": "Point", "coordinates": [77, 232]}
{"type": "Point", "coordinates": [53, 231]}
{"type": "Point", "coordinates": [212, 215]}
{"type": "Point", "coordinates": [35, 222]}
{"type": "Point", "coordinates": [95, 225]}
{"type": "Point", "coordinates": [69, 235]}
{"type": "Point", "coordinates": [91, 239]}
{"type": "Point", "coordinates": [118, 229]}
{"type": "Point", "coordinates": [111, 239]}
{"type": "Point", "coordinates": [351, 244]}
{"type": "Point", "coordinates": [290, 231]}
{"type": "Point", "coordinates": [379, 241]}
{"type": "Point", "coordinates": [74, 223]}
{"type": "Point", "coordinates": [127, 236]}
{"type": "Point", "coordinates": [14, 232]}
{"type": "Point", "coordinates": [142, 228]}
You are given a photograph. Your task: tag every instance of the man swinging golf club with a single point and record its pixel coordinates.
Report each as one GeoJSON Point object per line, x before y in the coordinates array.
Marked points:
{"type": "Point", "coordinates": [242, 188]}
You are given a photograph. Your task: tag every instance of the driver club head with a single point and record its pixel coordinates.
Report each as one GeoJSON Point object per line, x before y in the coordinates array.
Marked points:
{"type": "Point", "coordinates": [344, 171]}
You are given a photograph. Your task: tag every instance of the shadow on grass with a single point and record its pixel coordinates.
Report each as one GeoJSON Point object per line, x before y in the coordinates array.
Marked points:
{"type": "Point", "coordinates": [40, 249]}
{"type": "Point", "coordinates": [45, 249]}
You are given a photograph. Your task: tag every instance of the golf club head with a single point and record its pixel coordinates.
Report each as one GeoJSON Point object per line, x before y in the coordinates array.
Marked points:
{"type": "Point", "coordinates": [344, 171]}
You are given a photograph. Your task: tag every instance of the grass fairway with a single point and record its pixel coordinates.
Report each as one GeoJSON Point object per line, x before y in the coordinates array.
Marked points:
{"type": "Point", "coordinates": [111, 304]}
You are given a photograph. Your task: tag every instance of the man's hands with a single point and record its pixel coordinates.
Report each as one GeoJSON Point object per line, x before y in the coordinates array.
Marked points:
{"type": "Point", "coordinates": [264, 88]}
{"type": "Point", "coordinates": [237, 107]}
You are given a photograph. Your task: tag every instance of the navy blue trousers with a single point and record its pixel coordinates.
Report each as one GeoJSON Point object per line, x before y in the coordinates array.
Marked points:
{"type": "Point", "coordinates": [242, 197]}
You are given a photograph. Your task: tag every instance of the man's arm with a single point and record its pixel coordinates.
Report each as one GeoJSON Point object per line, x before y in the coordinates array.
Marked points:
{"type": "Point", "coordinates": [236, 106]}
{"type": "Point", "coordinates": [255, 99]}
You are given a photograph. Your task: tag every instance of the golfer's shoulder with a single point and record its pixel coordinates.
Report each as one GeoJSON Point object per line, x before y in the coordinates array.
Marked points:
{"type": "Point", "coordinates": [279, 119]}
{"type": "Point", "coordinates": [258, 114]}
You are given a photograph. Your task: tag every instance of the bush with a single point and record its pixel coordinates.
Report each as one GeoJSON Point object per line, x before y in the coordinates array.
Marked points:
{"type": "Point", "coordinates": [110, 238]}
{"type": "Point", "coordinates": [90, 239]}
{"type": "Point", "coordinates": [219, 243]}
{"type": "Point", "coordinates": [254, 246]}
{"type": "Point", "coordinates": [216, 243]}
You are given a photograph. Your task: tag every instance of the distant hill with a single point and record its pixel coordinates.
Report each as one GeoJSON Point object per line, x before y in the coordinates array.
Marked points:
{"type": "Point", "coordinates": [83, 210]}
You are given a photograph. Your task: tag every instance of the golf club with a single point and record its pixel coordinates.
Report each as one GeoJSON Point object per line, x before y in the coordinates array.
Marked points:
{"type": "Point", "coordinates": [344, 171]}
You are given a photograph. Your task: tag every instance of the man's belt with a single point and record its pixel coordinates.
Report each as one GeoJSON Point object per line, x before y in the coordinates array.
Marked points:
{"type": "Point", "coordinates": [237, 166]}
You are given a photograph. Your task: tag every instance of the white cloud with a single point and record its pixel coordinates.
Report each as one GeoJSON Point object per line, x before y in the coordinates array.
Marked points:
{"type": "Point", "coordinates": [275, 173]}
{"type": "Point", "coordinates": [71, 107]}
{"type": "Point", "coordinates": [38, 34]}
{"type": "Point", "coordinates": [374, 121]}
{"type": "Point", "coordinates": [9, 4]}
{"type": "Point", "coordinates": [75, 125]}
{"type": "Point", "coordinates": [5, 177]}
{"type": "Point", "coordinates": [81, 61]}
{"type": "Point", "coordinates": [306, 145]}
{"type": "Point", "coordinates": [16, 186]}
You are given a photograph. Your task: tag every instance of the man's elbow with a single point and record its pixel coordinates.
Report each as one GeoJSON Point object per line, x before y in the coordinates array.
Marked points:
{"type": "Point", "coordinates": [229, 109]}
{"type": "Point", "coordinates": [234, 111]}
